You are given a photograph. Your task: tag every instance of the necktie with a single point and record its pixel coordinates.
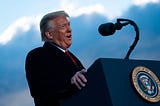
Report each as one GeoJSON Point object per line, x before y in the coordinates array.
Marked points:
{"type": "Point", "coordinates": [69, 55]}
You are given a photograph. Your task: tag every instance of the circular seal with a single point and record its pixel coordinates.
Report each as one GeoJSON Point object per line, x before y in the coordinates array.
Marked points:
{"type": "Point", "coordinates": [146, 83]}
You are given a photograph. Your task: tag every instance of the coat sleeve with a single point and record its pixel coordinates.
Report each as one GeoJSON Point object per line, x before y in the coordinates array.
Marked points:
{"type": "Point", "coordinates": [47, 76]}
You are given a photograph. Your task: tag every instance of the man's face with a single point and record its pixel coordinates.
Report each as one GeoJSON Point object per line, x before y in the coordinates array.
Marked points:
{"type": "Point", "coordinates": [61, 33]}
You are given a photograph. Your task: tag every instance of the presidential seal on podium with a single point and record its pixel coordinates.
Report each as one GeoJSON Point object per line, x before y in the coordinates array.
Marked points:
{"type": "Point", "coordinates": [146, 83]}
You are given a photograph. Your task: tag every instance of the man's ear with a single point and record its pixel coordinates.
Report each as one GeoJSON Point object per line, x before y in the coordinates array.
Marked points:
{"type": "Point", "coordinates": [49, 35]}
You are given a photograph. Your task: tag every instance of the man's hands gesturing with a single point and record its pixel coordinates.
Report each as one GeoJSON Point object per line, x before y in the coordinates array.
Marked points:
{"type": "Point", "coordinates": [79, 79]}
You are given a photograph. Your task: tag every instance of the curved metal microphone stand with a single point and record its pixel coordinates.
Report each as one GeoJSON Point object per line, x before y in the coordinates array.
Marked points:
{"type": "Point", "coordinates": [127, 21]}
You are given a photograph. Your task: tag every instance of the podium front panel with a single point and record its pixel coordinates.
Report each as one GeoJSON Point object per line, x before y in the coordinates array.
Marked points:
{"type": "Point", "coordinates": [109, 84]}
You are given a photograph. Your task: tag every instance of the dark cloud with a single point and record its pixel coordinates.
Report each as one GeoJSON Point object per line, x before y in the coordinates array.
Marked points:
{"type": "Point", "coordinates": [88, 44]}
{"type": "Point", "coordinates": [12, 77]}
{"type": "Point", "coordinates": [147, 18]}
{"type": "Point", "coordinates": [94, 46]}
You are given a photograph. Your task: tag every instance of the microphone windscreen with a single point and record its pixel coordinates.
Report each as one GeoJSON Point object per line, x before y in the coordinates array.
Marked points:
{"type": "Point", "coordinates": [107, 29]}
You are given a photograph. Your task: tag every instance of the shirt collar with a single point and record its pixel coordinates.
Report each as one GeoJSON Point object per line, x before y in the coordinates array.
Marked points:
{"type": "Point", "coordinates": [54, 44]}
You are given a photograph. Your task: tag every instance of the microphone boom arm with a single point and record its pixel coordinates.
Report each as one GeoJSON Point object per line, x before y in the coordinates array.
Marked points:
{"type": "Point", "coordinates": [136, 30]}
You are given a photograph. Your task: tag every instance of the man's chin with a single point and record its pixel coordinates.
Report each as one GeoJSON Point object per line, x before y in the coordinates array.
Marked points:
{"type": "Point", "coordinates": [69, 44]}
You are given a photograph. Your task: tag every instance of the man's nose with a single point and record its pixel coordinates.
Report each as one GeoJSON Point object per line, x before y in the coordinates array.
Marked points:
{"type": "Point", "coordinates": [69, 29]}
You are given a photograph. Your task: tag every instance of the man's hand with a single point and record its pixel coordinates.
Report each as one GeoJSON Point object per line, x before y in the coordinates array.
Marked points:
{"type": "Point", "coordinates": [79, 79]}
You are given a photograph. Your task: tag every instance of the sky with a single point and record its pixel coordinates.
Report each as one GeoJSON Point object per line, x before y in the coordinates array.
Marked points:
{"type": "Point", "coordinates": [14, 13]}
{"type": "Point", "coordinates": [19, 33]}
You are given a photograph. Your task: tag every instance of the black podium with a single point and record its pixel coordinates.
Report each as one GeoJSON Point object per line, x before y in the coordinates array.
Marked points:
{"type": "Point", "coordinates": [110, 84]}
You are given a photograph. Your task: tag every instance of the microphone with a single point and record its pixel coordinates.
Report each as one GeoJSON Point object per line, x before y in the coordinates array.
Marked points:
{"type": "Point", "coordinates": [108, 29]}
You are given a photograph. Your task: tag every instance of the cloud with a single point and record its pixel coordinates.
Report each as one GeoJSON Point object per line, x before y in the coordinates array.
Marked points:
{"type": "Point", "coordinates": [75, 8]}
{"type": "Point", "coordinates": [75, 12]}
{"type": "Point", "coordinates": [117, 46]}
{"type": "Point", "coordinates": [88, 45]}
{"type": "Point", "coordinates": [22, 24]}
{"type": "Point", "coordinates": [144, 2]}
{"type": "Point", "coordinates": [20, 98]}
